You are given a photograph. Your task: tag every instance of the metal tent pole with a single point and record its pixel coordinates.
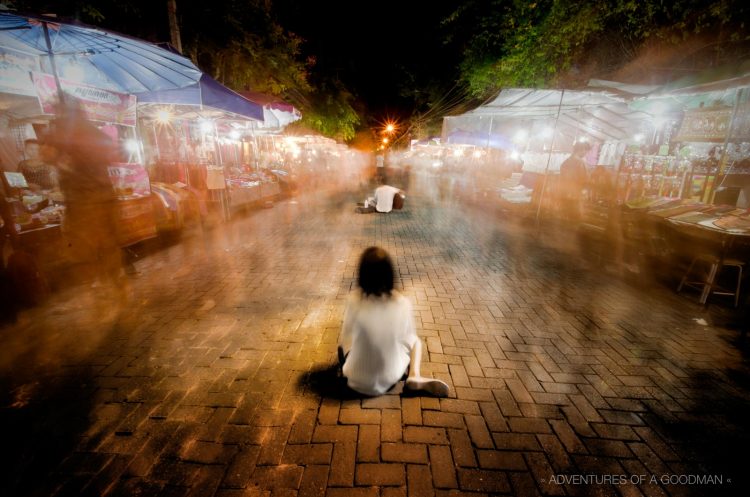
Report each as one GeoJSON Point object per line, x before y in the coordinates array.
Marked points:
{"type": "Point", "coordinates": [549, 157]}
{"type": "Point", "coordinates": [51, 54]}
{"type": "Point", "coordinates": [722, 162]}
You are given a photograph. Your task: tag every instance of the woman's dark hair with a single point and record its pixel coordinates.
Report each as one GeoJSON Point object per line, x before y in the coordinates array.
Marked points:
{"type": "Point", "coordinates": [375, 272]}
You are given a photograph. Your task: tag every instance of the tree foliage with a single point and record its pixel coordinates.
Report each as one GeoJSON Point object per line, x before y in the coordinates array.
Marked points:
{"type": "Point", "coordinates": [517, 43]}
{"type": "Point", "coordinates": [330, 111]}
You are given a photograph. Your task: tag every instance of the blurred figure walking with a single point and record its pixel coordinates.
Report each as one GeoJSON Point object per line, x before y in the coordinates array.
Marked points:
{"type": "Point", "coordinates": [573, 179]}
{"type": "Point", "coordinates": [82, 155]}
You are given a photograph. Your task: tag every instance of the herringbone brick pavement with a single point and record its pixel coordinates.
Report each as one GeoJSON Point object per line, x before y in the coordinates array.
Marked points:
{"type": "Point", "coordinates": [215, 378]}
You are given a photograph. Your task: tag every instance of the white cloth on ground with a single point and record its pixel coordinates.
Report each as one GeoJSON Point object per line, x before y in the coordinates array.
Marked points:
{"type": "Point", "coordinates": [384, 197]}
{"type": "Point", "coordinates": [378, 334]}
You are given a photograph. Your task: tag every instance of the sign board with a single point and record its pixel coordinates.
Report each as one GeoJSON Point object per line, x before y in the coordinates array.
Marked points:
{"type": "Point", "coordinates": [15, 72]}
{"type": "Point", "coordinates": [215, 178]}
{"type": "Point", "coordinates": [704, 125]}
{"type": "Point", "coordinates": [15, 180]}
{"type": "Point", "coordinates": [98, 104]}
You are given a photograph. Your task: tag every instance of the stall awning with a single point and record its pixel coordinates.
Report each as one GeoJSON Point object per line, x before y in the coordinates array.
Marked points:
{"type": "Point", "coordinates": [207, 92]}
{"type": "Point", "coordinates": [601, 114]}
{"type": "Point", "coordinates": [276, 113]}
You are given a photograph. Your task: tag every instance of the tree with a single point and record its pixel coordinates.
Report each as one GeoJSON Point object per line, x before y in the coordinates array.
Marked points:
{"type": "Point", "coordinates": [329, 109]}
{"type": "Point", "coordinates": [551, 42]}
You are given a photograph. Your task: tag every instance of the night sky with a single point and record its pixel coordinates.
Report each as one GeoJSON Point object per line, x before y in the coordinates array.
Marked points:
{"type": "Point", "coordinates": [382, 48]}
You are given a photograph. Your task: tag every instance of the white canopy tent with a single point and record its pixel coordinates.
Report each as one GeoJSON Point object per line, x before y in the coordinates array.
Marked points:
{"type": "Point", "coordinates": [600, 114]}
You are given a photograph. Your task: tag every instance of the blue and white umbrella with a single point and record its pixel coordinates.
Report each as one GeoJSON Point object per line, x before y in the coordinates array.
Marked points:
{"type": "Point", "coordinates": [87, 55]}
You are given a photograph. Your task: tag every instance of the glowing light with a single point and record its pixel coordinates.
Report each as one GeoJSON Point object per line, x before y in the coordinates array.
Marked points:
{"type": "Point", "coordinates": [660, 108]}
{"type": "Point", "coordinates": [638, 138]}
{"type": "Point", "coordinates": [477, 154]}
{"type": "Point", "coordinates": [163, 116]}
{"type": "Point", "coordinates": [514, 155]}
{"type": "Point", "coordinates": [583, 139]}
{"type": "Point", "coordinates": [458, 152]}
{"type": "Point", "coordinates": [234, 134]}
{"type": "Point", "coordinates": [206, 126]}
{"type": "Point", "coordinates": [131, 146]}
{"type": "Point", "coordinates": [437, 163]}
{"type": "Point", "coordinates": [547, 132]}
{"type": "Point", "coordinates": [520, 135]}
{"type": "Point", "coordinates": [385, 140]}
{"type": "Point", "coordinates": [390, 128]}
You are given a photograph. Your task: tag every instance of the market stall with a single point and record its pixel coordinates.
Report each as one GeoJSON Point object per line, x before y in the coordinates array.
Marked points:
{"type": "Point", "coordinates": [200, 138]}
{"type": "Point", "coordinates": [46, 62]}
{"type": "Point", "coordinates": [536, 129]}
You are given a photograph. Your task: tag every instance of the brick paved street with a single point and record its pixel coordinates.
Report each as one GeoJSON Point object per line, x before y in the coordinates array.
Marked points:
{"type": "Point", "coordinates": [215, 377]}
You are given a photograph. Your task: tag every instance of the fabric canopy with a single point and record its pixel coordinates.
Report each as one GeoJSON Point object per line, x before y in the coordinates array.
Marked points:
{"type": "Point", "coordinates": [599, 113]}
{"type": "Point", "coordinates": [207, 92]}
{"type": "Point", "coordinates": [276, 112]}
{"type": "Point", "coordinates": [89, 55]}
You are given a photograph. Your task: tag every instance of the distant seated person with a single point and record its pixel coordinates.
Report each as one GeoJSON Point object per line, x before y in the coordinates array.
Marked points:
{"type": "Point", "coordinates": [39, 175]}
{"type": "Point", "coordinates": [384, 198]}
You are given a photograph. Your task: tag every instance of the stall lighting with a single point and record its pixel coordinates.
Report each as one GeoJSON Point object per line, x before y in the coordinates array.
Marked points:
{"type": "Point", "coordinates": [234, 134]}
{"type": "Point", "coordinates": [520, 135]}
{"type": "Point", "coordinates": [638, 138]}
{"type": "Point", "coordinates": [514, 155]}
{"type": "Point", "coordinates": [206, 126]}
{"type": "Point", "coordinates": [163, 116]}
{"type": "Point", "coordinates": [546, 132]}
{"type": "Point", "coordinates": [583, 139]}
{"type": "Point", "coordinates": [131, 146]}
{"type": "Point", "coordinates": [458, 152]}
{"type": "Point", "coordinates": [477, 154]}
{"type": "Point", "coordinates": [659, 108]}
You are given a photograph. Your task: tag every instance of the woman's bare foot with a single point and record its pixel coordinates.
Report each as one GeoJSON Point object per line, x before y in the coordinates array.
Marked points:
{"type": "Point", "coordinates": [436, 388]}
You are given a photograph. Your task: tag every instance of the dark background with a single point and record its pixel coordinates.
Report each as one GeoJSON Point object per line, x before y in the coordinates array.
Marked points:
{"type": "Point", "coordinates": [390, 54]}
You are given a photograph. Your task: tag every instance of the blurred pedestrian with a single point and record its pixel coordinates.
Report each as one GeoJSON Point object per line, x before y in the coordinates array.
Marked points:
{"type": "Point", "coordinates": [82, 155]}
{"type": "Point", "coordinates": [379, 345]}
{"type": "Point", "coordinates": [573, 178]}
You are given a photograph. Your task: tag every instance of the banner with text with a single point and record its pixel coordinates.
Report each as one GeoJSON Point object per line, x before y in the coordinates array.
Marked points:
{"type": "Point", "coordinates": [98, 104]}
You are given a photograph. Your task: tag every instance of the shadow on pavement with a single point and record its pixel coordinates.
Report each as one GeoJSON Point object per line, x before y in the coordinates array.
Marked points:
{"type": "Point", "coordinates": [326, 382]}
{"type": "Point", "coordinates": [41, 422]}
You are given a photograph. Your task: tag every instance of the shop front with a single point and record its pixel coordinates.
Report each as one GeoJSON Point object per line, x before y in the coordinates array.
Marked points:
{"type": "Point", "coordinates": [34, 204]}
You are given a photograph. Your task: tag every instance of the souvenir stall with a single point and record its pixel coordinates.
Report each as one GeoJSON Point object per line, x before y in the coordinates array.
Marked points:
{"type": "Point", "coordinates": [199, 140]}
{"type": "Point", "coordinates": [538, 128]}
{"type": "Point", "coordinates": [37, 207]}
{"type": "Point", "coordinates": [689, 183]}
{"type": "Point", "coordinates": [43, 62]}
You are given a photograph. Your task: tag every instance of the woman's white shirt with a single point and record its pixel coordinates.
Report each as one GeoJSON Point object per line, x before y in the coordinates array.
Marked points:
{"type": "Point", "coordinates": [378, 334]}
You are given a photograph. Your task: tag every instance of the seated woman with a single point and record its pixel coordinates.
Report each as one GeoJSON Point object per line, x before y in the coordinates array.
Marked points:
{"type": "Point", "coordinates": [378, 343]}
